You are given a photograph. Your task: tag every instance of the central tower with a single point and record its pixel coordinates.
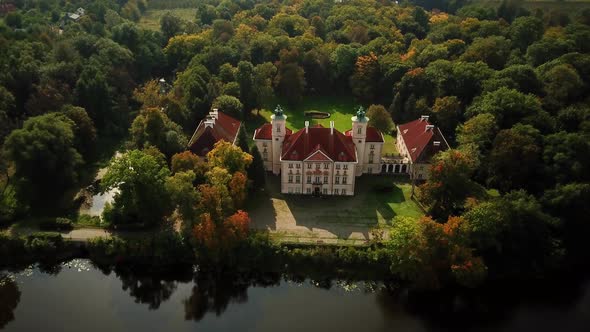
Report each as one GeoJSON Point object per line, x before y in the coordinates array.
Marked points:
{"type": "Point", "coordinates": [359, 136]}
{"type": "Point", "coordinates": [277, 121]}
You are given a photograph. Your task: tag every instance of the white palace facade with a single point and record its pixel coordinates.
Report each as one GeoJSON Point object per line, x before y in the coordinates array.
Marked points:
{"type": "Point", "coordinates": [316, 160]}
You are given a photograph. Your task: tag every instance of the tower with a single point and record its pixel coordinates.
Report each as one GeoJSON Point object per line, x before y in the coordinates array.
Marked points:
{"type": "Point", "coordinates": [359, 136]}
{"type": "Point", "coordinates": [277, 122]}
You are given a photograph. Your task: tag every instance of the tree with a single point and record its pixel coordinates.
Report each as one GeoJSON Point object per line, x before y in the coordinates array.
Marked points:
{"type": "Point", "coordinates": [514, 161]}
{"type": "Point", "coordinates": [216, 238]}
{"type": "Point", "coordinates": [142, 196]}
{"type": "Point", "coordinates": [446, 113]}
{"type": "Point", "coordinates": [170, 25]}
{"type": "Point", "coordinates": [290, 82]}
{"type": "Point", "coordinates": [84, 131]}
{"type": "Point", "coordinates": [478, 131]}
{"type": "Point", "coordinates": [229, 157]}
{"type": "Point", "coordinates": [526, 30]}
{"type": "Point", "coordinates": [238, 187]}
{"type": "Point", "coordinates": [256, 171]}
{"type": "Point", "coordinates": [230, 105]}
{"type": "Point", "coordinates": [153, 127]}
{"type": "Point", "coordinates": [450, 184]}
{"type": "Point", "coordinates": [365, 79]}
{"type": "Point", "coordinates": [263, 80]}
{"type": "Point", "coordinates": [184, 195]}
{"type": "Point", "coordinates": [243, 139]}
{"type": "Point", "coordinates": [188, 161]}
{"type": "Point", "coordinates": [562, 84]}
{"type": "Point", "coordinates": [380, 118]}
{"type": "Point", "coordinates": [93, 94]}
{"type": "Point", "coordinates": [191, 88]}
{"type": "Point", "coordinates": [566, 156]}
{"type": "Point", "coordinates": [494, 51]}
{"type": "Point", "coordinates": [245, 79]}
{"type": "Point", "coordinates": [508, 107]}
{"type": "Point", "coordinates": [45, 158]}
{"type": "Point", "coordinates": [514, 235]}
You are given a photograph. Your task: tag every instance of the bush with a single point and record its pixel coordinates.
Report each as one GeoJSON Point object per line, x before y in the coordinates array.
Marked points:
{"type": "Point", "coordinates": [57, 224]}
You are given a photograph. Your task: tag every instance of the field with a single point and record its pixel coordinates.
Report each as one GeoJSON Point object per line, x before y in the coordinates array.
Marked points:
{"type": "Point", "coordinates": [341, 109]}
{"type": "Point", "coordinates": [151, 19]}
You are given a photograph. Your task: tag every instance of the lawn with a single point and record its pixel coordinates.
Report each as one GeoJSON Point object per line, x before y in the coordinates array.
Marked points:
{"type": "Point", "coordinates": [341, 109]}
{"type": "Point", "coordinates": [377, 200]}
{"type": "Point", "coordinates": [151, 19]}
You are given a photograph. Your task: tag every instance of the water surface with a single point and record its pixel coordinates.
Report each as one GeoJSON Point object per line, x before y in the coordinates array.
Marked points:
{"type": "Point", "coordinates": [79, 297]}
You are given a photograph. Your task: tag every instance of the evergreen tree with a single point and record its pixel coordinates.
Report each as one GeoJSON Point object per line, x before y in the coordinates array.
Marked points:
{"type": "Point", "coordinates": [256, 169]}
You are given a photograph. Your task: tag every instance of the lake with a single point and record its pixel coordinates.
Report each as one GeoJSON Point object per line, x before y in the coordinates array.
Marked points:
{"type": "Point", "coordinates": [76, 296]}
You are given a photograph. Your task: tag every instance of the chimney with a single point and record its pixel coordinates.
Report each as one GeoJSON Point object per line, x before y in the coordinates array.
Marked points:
{"type": "Point", "coordinates": [209, 122]}
{"type": "Point", "coordinates": [436, 143]}
{"type": "Point", "coordinates": [429, 127]}
{"type": "Point", "coordinates": [214, 113]}
{"type": "Point", "coordinates": [306, 127]}
{"type": "Point", "coordinates": [424, 118]}
{"type": "Point", "coordinates": [331, 127]}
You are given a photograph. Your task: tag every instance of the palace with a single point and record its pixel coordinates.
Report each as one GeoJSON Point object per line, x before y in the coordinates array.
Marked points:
{"type": "Point", "coordinates": [318, 160]}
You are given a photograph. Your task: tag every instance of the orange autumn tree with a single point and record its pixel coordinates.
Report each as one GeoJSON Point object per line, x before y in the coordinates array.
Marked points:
{"type": "Point", "coordinates": [365, 79]}
{"type": "Point", "coordinates": [218, 237]}
{"type": "Point", "coordinates": [430, 253]}
{"type": "Point", "coordinates": [238, 188]}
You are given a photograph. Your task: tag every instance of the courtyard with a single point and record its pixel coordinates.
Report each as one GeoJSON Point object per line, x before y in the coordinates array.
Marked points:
{"type": "Point", "coordinates": [351, 220]}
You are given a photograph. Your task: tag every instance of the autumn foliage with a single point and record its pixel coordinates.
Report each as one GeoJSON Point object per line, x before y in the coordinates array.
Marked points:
{"type": "Point", "coordinates": [219, 237]}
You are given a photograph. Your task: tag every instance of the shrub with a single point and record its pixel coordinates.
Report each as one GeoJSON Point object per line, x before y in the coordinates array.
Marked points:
{"type": "Point", "coordinates": [57, 224]}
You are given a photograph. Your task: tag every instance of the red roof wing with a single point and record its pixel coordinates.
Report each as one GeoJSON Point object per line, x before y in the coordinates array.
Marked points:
{"type": "Point", "coordinates": [420, 142]}
{"type": "Point", "coordinates": [225, 128]}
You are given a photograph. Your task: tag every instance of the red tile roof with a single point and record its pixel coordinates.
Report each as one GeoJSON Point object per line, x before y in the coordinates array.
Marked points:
{"type": "Point", "coordinates": [265, 132]}
{"type": "Point", "coordinates": [373, 135]}
{"type": "Point", "coordinates": [419, 140]}
{"type": "Point", "coordinates": [301, 145]}
{"type": "Point", "coordinates": [224, 127]}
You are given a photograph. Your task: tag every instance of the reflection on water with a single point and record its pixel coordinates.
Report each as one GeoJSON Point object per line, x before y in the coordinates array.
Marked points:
{"type": "Point", "coordinates": [78, 296]}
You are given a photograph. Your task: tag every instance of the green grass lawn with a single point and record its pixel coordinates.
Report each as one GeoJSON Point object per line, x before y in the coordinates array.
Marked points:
{"type": "Point", "coordinates": [377, 200]}
{"type": "Point", "coordinates": [341, 109]}
{"type": "Point", "coordinates": [151, 19]}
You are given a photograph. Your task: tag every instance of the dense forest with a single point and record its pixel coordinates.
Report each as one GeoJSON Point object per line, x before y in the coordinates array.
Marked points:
{"type": "Point", "coordinates": [508, 86]}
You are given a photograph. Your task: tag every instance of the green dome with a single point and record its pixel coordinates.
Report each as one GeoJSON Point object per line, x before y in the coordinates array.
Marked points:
{"type": "Point", "coordinates": [278, 112]}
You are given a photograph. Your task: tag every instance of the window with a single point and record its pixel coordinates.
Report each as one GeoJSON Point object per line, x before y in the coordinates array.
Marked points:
{"type": "Point", "coordinates": [345, 166]}
{"type": "Point", "coordinates": [372, 146]}
{"type": "Point", "coordinates": [265, 155]}
{"type": "Point", "coordinates": [317, 179]}
{"type": "Point", "coordinates": [278, 128]}
{"type": "Point", "coordinates": [290, 165]}
{"type": "Point", "coordinates": [326, 166]}
{"type": "Point", "coordinates": [370, 170]}
{"type": "Point", "coordinates": [290, 190]}
{"type": "Point", "coordinates": [371, 157]}
{"type": "Point", "coordinates": [335, 191]}
{"type": "Point", "coordinates": [308, 190]}
{"type": "Point", "coordinates": [337, 180]}
{"type": "Point", "coordinates": [309, 166]}
{"type": "Point", "coordinates": [317, 166]}
{"type": "Point", "coordinates": [309, 179]}
{"type": "Point", "coordinates": [298, 166]}
{"type": "Point", "coordinates": [359, 130]}
{"type": "Point", "coordinates": [343, 191]}
{"type": "Point", "coordinates": [344, 179]}
{"type": "Point", "coordinates": [298, 190]}
{"type": "Point", "coordinates": [290, 178]}
{"type": "Point", "coordinates": [325, 179]}
{"type": "Point", "coordinates": [337, 166]}
{"type": "Point", "coordinates": [297, 179]}
{"type": "Point", "coordinates": [325, 191]}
